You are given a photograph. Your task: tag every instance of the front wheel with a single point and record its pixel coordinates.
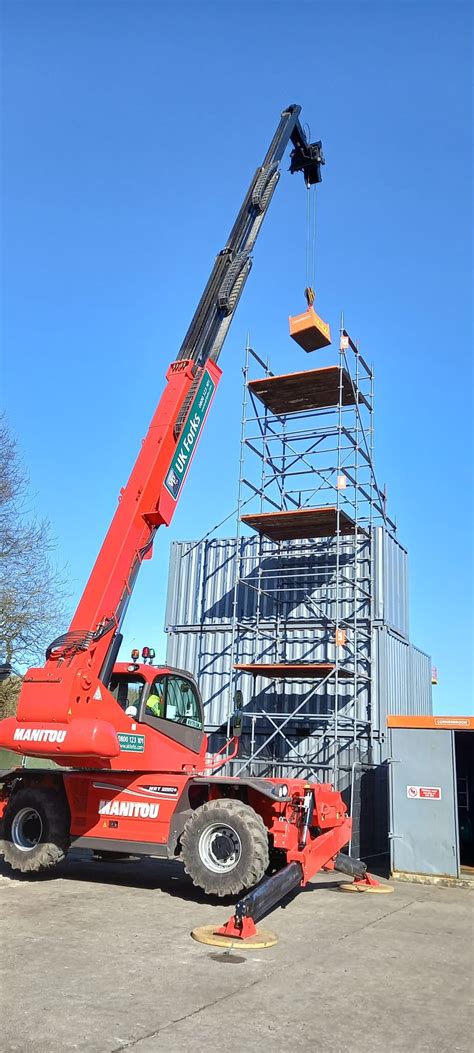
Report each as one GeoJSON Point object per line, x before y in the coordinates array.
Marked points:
{"type": "Point", "coordinates": [36, 829]}
{"type": "Point", "coordinates": [225, 847]}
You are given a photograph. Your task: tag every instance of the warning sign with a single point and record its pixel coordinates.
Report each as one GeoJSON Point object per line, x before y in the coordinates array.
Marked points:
{"type": "Point", "coordinates": [432, 793]}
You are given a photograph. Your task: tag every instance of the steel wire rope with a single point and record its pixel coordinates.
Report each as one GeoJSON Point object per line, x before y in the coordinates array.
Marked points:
{"type": "Point", "coordinates": [311, 199]}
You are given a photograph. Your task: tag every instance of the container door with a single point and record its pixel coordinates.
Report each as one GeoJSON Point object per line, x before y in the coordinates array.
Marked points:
{"type": "Point", "coordinates": [423, 802]}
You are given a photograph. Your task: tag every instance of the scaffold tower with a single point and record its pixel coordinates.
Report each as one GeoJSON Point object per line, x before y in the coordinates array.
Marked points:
{"type": "Point", "coordinates": [309, 494]}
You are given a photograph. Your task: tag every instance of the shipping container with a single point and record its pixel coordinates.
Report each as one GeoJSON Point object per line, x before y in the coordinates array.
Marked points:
{"type": "Point", "coordinates": [390, 594]}
{"type": "Point", "coordinates": [208, 654]}
{"type": "Point", "coordinates": [401, 675]}
{"type": "Point", "coordinates": [431, 795]}
{"type": "Point", "coordinates": [213, 582]}
{"type": "Point", "coordinates": [247, 601]}
{"type": "Point", "coordinates": [401, 678]}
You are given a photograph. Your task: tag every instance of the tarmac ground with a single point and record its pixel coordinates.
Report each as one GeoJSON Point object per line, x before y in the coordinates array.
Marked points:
{"type": "Point", "coordinates": [98, 957]}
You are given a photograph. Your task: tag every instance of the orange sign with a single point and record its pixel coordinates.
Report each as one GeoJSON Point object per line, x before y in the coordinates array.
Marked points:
{"type": "Point", "coordinates": [340, 637]}
{"type": "Point", "coordinates": [442, 723]}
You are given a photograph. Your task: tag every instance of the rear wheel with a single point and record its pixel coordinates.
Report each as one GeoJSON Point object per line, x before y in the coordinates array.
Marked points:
{"type": "Point", "coordinates": [36, 829]}
{"type": "Point", "coordinates": [225, 847]}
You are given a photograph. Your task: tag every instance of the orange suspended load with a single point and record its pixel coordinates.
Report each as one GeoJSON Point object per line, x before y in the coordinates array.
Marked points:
{"type": "Point", "coordinates": [309, 330]}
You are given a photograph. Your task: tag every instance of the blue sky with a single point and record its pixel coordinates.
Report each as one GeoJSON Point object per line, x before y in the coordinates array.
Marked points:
{"type": "Point", "coordinates": [130, 133]}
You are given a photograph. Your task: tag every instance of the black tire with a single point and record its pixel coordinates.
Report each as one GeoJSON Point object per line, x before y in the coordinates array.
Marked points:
{"type": "Point", "coordinates": [224, 847]}
{"type": "Point", "coordinates": [36, 829]}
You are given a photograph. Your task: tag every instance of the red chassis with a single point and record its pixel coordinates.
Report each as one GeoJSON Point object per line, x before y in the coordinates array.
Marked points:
{"type": "Point", "coordinates": [154, 792]}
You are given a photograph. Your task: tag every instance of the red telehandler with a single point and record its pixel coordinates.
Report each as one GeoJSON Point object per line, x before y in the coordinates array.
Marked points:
{"type": "Point", "coordinates": [128, 738]}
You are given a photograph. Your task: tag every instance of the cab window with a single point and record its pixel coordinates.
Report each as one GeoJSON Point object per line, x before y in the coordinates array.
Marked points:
{"type": "Point", "coordinates": [182, 704]}
{"type": "Point", "coordinates": [127, 690]}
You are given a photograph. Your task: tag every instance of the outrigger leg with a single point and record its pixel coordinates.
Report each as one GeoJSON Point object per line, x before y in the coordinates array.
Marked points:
{"type": "Point", "coordinates": [255, 904]}
{"type": "Point", "coordinates": [318, 854]}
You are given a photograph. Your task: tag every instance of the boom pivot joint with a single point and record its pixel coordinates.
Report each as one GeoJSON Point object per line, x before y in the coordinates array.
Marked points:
{"type": "Point", "coordinates": [307, 158]}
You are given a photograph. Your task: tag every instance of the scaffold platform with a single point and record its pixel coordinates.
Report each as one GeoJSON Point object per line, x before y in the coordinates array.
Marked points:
{"type": "Point", "coordinates": [307, 390]}
{"type": "Point", "coordinates": [325, 521]}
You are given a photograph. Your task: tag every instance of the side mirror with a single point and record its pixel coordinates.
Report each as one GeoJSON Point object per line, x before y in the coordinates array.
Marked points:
{"type": "Point", "coordinates": [237, 716]}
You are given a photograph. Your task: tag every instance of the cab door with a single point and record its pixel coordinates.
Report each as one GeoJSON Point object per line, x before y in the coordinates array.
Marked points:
{"type": "Point", "coordinates": [173, 707]}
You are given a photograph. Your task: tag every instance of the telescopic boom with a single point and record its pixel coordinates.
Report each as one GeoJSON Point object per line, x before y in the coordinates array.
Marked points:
{"type": "Point", "coordinates": [153, 489]}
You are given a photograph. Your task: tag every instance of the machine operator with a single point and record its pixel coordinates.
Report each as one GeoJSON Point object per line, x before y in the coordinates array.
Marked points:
{"type": "Point", "coordinates": [155, 706]}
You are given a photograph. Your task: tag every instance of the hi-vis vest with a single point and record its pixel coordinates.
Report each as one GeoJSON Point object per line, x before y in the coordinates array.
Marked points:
{"type": "Point", "coordinates": [155, 705]}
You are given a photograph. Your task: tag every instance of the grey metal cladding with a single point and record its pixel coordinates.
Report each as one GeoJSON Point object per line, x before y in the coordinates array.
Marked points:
{"type": "Point", "coordinates": [402, 678]}
{"type": "Point", "coordinates": [390, 582]}
{"type": "Point", "coordinates": [200, 613]}
{"type": "Point", "coordinates": [401, 675]}
{"type": "Point", "coordinates": [202, 576]}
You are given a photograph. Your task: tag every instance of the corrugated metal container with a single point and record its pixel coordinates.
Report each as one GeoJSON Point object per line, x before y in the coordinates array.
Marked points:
{"type": "Point", "coordinates": [298, 586]}
{"type": "Point", "coordinates": [422, 691]}
{"type": "Point", "coordinates": [390, 582]}
{"type": "Point", "coordinates": [401, 678]}
{"type": "Point", "coordinates": [401, 675]}
{"type": "Point", "coordinates": [425, 834]}
{"type": "Point", "coordinates": [202, 637]}
{"type": "Point", "coordinates": [309, 757]}
{"type": "Point", "coordinates": [208, 654]}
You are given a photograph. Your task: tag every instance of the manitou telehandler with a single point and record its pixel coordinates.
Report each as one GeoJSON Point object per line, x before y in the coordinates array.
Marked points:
{"type": "Point", "coordinates": [133, 775]}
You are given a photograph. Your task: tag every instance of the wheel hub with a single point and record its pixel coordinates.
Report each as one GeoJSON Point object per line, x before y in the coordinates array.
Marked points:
{"type": "Point", "coordinates": [220, 848]}
{"type": "Point", "coordinates": [27, 828]}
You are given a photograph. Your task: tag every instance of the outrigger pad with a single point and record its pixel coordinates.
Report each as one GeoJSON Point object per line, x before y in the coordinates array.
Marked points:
{"type": "Point", "coordinates": [309, 330]}
{"type": "Point", "coordinates": [361, 887]}
{"type": "Point", "coordinates": [210, 935]}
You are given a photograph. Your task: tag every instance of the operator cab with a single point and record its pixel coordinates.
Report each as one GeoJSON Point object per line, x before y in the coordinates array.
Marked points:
{"type": "Point", "coordinates": [166, 699]}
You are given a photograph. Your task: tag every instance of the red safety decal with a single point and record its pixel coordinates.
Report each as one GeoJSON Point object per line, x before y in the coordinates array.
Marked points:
{"type": "Point", "coordinates": [431, 792]}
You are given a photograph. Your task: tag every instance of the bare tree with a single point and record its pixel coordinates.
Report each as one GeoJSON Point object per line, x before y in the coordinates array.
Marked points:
{"type": "Point", "coordinates": [9, 693]}
{"type": "Point", "coordinates": [31, 587]}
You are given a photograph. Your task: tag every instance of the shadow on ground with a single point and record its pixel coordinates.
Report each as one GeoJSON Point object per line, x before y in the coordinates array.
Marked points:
{"type": "Point", "coordinates": [145, 873]}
